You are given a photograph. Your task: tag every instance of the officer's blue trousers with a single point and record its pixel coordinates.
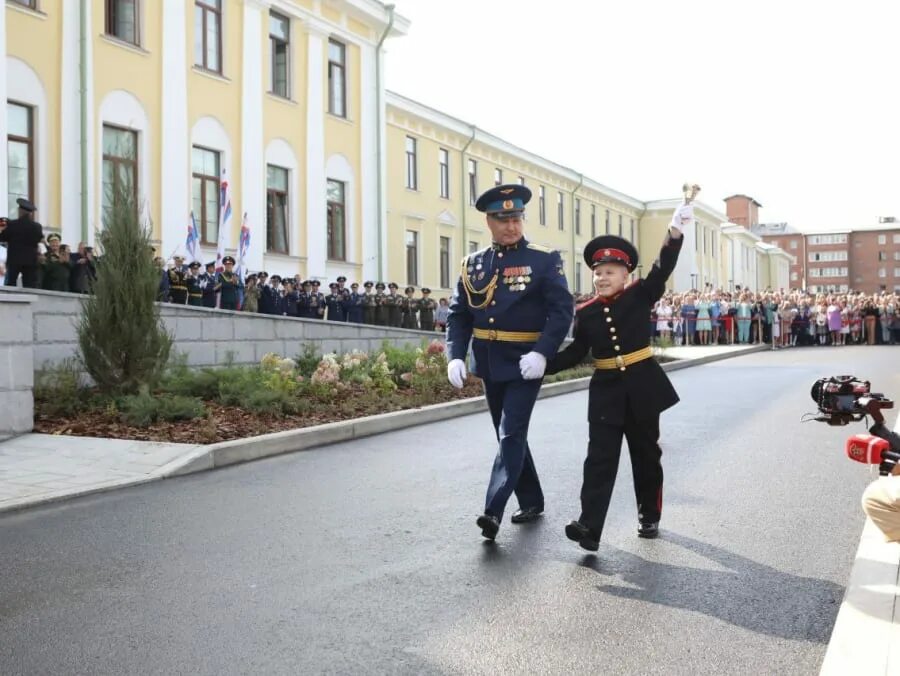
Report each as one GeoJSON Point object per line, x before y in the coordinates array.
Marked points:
{"type": "Point", "coordinates": [511, 404]}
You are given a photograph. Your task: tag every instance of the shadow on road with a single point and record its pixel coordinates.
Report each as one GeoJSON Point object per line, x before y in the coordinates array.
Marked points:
{"type": "Point", "coordinates": [749, 594]}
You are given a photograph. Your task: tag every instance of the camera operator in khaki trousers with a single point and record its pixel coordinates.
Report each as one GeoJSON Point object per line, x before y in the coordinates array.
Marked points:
{"type": "Point", "coordinates": [881, 503]}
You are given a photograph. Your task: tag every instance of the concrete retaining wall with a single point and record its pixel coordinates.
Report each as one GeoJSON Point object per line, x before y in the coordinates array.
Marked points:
{"type": "Point", "coordinates": [207, 336]}
{"type": "Point", "coordinates": [16, 365]}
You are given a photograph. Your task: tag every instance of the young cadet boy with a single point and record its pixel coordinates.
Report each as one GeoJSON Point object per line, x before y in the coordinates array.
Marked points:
{"type": "Point", "coordinates": [629, 389]}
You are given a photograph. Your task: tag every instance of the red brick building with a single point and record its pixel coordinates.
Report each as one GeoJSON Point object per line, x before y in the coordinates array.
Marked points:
{"type": "Point", "coordinates": [787, 239]}
{"type": "Point", "coordinates": [742, 210]}
{"type": "Point", "coordinates": [875, 259]}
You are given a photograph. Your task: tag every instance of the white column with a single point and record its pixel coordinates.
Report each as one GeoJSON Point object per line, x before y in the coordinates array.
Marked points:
{"type": "Point", "coordinates": [316, 230]}
{"type": "Point", "coordinates": [70, 126]}
{"type": "Point", "coordinates": [381, 168]}
{"type": "Point", "coordinates": [253, 163]}
{"type": "Point", "coordinates": [368, 211]}
{"type": "Point", "coordinates": [174, 170]}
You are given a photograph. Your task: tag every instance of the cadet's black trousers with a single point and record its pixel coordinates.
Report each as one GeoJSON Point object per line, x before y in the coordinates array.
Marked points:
{"type": "Point", "coordinates": [511, 404]}
{"type": "Point", "coordinates": [602, 463]}
{"type": "Point", "coordinates": [28, 272]}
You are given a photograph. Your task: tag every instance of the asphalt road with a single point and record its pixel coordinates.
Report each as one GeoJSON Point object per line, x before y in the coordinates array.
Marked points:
{"type": "Point", "coordinates": [364, 557]}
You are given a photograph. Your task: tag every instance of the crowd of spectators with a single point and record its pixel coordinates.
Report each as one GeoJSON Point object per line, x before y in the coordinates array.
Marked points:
{"type": "Point", "coordinates": [788, 318]}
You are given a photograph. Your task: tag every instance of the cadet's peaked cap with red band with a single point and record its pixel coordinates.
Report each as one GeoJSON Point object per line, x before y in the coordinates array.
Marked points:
{"type": "Point", "coordinates": [611, 249]}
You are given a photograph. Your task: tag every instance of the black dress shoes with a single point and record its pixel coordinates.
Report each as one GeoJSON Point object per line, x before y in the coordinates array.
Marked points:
{"type": "Point", "coordinates": [648, 530]}
{"type": "Point", "coordinates": [584, 536]}
{"type": "Point", "coordinates": [527, 514]}
{"type": "Point", "coordinates": [489, 526]}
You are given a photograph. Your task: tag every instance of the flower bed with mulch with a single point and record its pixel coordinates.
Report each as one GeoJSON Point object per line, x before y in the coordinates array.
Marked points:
{"type": "Point", "coordinates": [218, 404]}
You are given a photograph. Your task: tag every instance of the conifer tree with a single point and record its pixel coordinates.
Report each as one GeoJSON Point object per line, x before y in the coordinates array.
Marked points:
{"type": "Point", "coordinates": [122, 341]}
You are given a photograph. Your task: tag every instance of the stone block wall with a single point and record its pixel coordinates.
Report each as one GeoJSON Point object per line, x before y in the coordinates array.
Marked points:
{"type": "Point", "coordinates": [16, 365]}
{"type": "Point", "coordinates": [206, 336]}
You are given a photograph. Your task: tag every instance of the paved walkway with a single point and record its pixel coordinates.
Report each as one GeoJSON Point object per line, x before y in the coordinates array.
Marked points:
{"type": "Point", "coordinates": [38, 468]}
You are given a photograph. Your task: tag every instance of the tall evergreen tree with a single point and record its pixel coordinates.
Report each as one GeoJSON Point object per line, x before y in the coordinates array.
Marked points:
{"type": "Point", "coordinates": [122, 341]}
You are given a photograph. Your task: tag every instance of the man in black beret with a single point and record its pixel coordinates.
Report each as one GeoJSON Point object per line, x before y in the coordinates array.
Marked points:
{"type": "Point", "coordinates": [629, 389]}
{"type": "Point", "coordinates": [22, 236]}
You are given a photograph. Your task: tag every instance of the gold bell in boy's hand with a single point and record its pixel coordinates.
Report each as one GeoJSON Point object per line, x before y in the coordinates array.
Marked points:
{"type": "Point", "coordinates": [690, 191]}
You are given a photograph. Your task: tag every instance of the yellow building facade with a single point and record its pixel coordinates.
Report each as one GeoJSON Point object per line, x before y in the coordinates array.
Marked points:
{"type": "Point", "coordinates": [283, 101]}
{"type": "Point", "coordinates": [279, 99]}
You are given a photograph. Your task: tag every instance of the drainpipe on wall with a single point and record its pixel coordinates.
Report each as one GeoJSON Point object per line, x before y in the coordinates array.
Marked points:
{"type": "Point", "coordinates": [83, 90]}
{"type": "Point", "coordinates": [465, 198]}
{"type": "Point", "coordinates": [574, 249]}
{"type": "Point", "coordinates": [379, 152]}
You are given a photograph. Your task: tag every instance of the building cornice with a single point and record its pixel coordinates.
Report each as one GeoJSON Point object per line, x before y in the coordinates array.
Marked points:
{"type": "Point", "coordinates": [674, 202]}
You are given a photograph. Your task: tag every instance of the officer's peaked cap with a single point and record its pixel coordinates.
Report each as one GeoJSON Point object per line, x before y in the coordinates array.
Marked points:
{"type": "Point", "coordinates": [504, 201]}
{"type": "Point", "coordinates": [611, 249]}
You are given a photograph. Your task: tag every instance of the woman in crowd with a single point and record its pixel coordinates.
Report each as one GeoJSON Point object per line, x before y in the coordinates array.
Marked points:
{"type": "Point", "coordinates": [664, 319]}
{"type": "Point", "coordinates": [704, 324]}
{"type": "Point", "coordinates": [833, 312]}
{"type": "Point", "coordinates": [440, 315]}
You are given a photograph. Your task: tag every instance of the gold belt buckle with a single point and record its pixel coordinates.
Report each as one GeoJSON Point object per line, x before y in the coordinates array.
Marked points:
{"type": "Point", "coordinates": [492, 334]}
{"type": "Point", "coordinates": [620, 361]}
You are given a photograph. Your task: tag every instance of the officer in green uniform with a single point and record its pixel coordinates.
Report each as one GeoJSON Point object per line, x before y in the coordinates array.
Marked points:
{"type": "Point", "coordinates": [57, 268]}
{"type": "Point", "coordinates": [408, 308]}
{"type": "Point", "coordinates": [381, 307]}
{"type": "Point", "coordinates": [192, 281]}
{"type": "Point", "coordinates": [178, 290]}
{"type": "Point", "coordinates": [392, 301]}
{"type": "Point", "coordinates": [368, 304]}
{"type": "Point", "coordinates": [229, 284]}
{"type": "Point", "coordinates": [426, 310]}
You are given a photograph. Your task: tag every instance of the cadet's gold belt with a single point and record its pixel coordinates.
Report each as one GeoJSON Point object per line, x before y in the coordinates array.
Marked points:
{"type": "Point", "coordinates": [623, 360]}
{"type": "Point", "coordinates": [508, 336]}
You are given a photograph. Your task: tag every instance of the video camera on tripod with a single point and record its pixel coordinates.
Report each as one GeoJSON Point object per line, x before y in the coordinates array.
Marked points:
{"type": "Point", "coordinates": [845, 399]}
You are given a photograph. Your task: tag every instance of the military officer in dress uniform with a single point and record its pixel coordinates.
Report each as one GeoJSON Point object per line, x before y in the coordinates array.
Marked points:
{"type": "Point", "coordinates": [629, 389]}
{"type": "Point", "coordinates": [22, 236]}
{"type": "Point", "coordinates": [355, 305]}
{"type": "Point", "coordinates": [178, 290]}
{"type": "Point", "coordinates": [207, 282]}
{"type": "Point", "coordinates": [408, 308]}
{"type": "Point", "coordinates": [335, 303]}
{"type": "Point", "coordinates": [513, 302]}
{"type": "Point", "coordinates": [381, 308]}
{"type": "Point", "coordinates": [317, 301]}
{"type": "Point", "coordinates": [192, 281]}
{"type": "Point", "coordinates": [229, 285]}
{"type": "Point", "coordinates": [394, 311]}
{"type": "Point", "coordinates": [426, 310]}
{"type": "Point", "coordinates": [57, 267]}
{"type": "Point", "coordinates": [368, 304]}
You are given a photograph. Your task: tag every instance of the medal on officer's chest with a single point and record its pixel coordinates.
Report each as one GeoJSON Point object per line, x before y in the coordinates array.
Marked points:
{"type": "Point", "coordinates": [517, 277]}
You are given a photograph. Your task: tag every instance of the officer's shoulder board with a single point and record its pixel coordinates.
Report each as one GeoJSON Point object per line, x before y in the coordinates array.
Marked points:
{"type": "Point", "coordinates": [541, 248]}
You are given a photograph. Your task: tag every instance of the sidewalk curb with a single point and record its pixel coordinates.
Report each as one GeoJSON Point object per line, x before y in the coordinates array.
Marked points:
{"type": "Point", "coordinates": [866, 634]}
{"type": "Point", "coordinates": [238, 451]}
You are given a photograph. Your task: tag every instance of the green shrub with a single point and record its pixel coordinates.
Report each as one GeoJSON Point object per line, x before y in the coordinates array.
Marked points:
{"type": "Point", "coordinates": [121, 338]}
{"type": "Point", "coordinates": [144, 408]}
{"type": "Point", "coordinates": [59, 391]}
{"type": "Point", "coordinates": [400, 359]}
{"type": "Point", "coordinates": [307, 360]}
{"type": "Point", "coordinates": [571, 374]}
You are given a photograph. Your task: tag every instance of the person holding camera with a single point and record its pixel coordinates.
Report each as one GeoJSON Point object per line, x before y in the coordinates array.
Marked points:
{"type": "Point", "coordinates": [22, 236]}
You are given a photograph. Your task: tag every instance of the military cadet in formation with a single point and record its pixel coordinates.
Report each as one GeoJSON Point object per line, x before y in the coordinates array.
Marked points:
{"type": "Point", "coordinates": [192, 281]}
{"type": "Point", "coordinates": [178, 290]}
{"type": "Point", "coordinates": [426, 310]}
{"type": "Point", "coordinates": [355, 306]}
{"type": "Point", "coordinates": [208, 283]}
{"type": "Point", "coordinates": [392, 301]}
{"type": "Point", "coordinates": [629, 389]}
{"type": "Point", "coordinates": [513, 303]}
{"type": "Point", "coordinates": [381, 307]}
{"type": "Point", "coordinates": [290, 300]}
{"type": "Point", "coordinates": [266, 295]}
{"type": "Point", "coordinates": [368, 304]}
{"type": "Point", "coordinates": [336, 304]}
{"type": "Point", "coordinates": [229, 285]}
{"type": "Point", "coordinates": [320, 299]}
{"type": "Point", "coordinates": [409, 306]}
{"type": "Point", "coordinates": [57, 267]}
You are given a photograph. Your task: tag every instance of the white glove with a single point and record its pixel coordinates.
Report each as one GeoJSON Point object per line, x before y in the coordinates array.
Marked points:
{"type": "Point", "coordinates": [456, 373]}
{"type": "Point", "coordinates": [532, 365]}
{"type": "Point", "coordinates": [683, 217]}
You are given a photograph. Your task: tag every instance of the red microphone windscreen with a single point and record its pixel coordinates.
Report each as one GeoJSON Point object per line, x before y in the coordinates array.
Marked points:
{"type": "Point", "coordinates": [866, 448]}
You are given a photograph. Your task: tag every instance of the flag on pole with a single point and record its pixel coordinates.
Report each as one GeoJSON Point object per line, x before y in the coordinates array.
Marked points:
{"type": "Point", "coordinates": [193, 239]}
{"type": "Point", "coordinates": [224, 221]}
{"type": "Point", "coordinates": [243, 248]}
